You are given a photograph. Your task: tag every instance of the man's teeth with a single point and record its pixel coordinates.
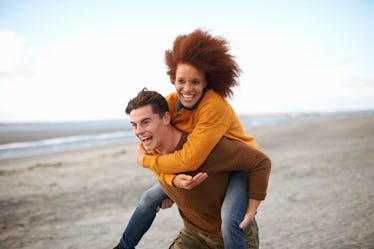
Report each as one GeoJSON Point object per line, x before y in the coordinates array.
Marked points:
{"type": "Point", "coordinates": [146, 139]}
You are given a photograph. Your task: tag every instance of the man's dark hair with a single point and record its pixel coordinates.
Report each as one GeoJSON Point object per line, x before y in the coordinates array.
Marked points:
{"type": "Point", "coordinates": [145, 97]}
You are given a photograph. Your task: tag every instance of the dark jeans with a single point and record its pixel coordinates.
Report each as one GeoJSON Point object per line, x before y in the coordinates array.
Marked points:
{"type": "Point", "coordinates": [142, 219]}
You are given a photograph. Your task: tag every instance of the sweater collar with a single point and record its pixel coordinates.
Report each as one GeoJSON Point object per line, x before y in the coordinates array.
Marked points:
{"type": "Point", "coordinates": [180, 105]}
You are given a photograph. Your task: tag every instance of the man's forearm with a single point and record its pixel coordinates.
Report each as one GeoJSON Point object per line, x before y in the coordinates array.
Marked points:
{"type": "Point", "coordinates": [251, 212]}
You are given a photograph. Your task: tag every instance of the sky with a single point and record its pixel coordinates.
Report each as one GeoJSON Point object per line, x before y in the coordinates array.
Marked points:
{"type": "Point", "coordinates": [78, 60]}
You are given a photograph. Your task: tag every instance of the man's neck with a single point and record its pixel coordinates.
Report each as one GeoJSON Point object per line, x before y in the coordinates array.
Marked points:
{"type": "Point", "coordinates": [171, 141]}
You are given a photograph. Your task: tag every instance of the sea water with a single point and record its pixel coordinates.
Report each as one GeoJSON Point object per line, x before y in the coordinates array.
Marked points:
{"type": "Point", "coordinates": [121, 132]}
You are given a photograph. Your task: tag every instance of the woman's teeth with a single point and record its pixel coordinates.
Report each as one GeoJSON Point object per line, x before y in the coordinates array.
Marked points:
{"type": "Point", "coordinates": [188, 97]}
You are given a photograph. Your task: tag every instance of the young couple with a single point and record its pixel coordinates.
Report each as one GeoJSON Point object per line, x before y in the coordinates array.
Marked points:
{"type": "Point", "coordinates": [196, 146]}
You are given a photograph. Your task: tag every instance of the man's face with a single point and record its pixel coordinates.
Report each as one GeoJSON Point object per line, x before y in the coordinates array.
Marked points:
{"type": "Point", "coordinates": [148, 127]}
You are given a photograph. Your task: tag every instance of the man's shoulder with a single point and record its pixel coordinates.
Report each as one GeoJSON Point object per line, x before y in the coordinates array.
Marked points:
{"type": "Point", "coordinates": [182, 140]}
{"type": "Point", "coordinates": [226, 149]}
{"type": "Point", "coordinates": [226, 142]}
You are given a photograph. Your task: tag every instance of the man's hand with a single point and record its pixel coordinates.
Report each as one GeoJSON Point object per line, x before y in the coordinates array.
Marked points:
{"type": "Point", "coordinates": [188, 182]}
{"type": "Point", "coordinates": [167, 203]}
{"type": "Point", "coordinates": [251, 212]}
{"type": "Point", "coordinates": [139, 154]}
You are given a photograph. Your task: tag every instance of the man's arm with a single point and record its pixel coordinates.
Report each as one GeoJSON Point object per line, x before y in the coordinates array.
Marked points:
{"type": "Point", "coordinates": [251, 212]}
{"type": "Point", "coordinates": [230, 155]}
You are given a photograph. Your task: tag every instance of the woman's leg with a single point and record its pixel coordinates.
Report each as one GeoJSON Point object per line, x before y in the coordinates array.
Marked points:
{"type": "Point", "coordinates": [233, 210]}
{"type": "Point", "coordinates": [143, 216]}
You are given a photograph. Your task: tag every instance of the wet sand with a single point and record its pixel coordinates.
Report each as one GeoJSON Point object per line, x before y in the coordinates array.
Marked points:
{"type": "Point", "coordinates": [320, 193]}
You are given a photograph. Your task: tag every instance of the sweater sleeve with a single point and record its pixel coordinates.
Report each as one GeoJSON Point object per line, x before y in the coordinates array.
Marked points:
{"type": "Point", "coordinates": [164, 178]}
{"type": "Point", "coordinates": [213, 120]}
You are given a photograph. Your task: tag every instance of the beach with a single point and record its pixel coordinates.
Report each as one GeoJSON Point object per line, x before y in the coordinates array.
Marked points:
{"type": "Point", "coordinates": [320, 192]}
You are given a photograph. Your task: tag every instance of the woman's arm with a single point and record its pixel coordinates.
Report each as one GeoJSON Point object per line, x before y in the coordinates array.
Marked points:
{"type": "Point", "coordinates": [180, 181]}
{"type": "Point", "coordinates": [214, 118]}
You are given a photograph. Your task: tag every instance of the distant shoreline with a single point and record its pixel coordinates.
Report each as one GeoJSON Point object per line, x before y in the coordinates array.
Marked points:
{"type": "Point", "coordinates": [24, 136]}
{"type": "Point", "coordinates": [45, 138]}
{"type": "Point", "coordinates": [253, 115]}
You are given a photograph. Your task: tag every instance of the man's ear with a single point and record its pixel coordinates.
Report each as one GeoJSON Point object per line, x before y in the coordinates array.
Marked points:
{"type": "Point", "coordinates": [166, 118]}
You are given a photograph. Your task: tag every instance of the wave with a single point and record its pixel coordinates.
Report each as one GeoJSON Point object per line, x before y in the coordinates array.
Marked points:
{"type": "Point", "coordinates": [22, 149]}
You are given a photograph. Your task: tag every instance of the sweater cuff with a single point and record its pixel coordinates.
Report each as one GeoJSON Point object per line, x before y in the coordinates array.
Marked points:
{"type": "Point", "coordinates": [147, 161]}
{"type": "Point", "coordinates": [257, 196]}
{"type": "Point", "coordinates": [169, 179]}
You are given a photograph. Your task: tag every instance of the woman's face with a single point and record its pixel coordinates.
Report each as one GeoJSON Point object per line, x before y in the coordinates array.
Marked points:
{"type": "Point", "coordinates": [189, 84]}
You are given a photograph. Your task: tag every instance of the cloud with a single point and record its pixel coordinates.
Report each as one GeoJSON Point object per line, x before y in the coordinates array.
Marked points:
{"type": "Point", "coordinates": [82, 79]}
{"type": "Point", "coordinates": [12, 54]}
{"type": "Point", "coordinates": [285, 75]}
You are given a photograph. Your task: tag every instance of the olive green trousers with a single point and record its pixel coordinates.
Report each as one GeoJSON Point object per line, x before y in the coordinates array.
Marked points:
{"type": "Point", "coordinates": [189, 238]}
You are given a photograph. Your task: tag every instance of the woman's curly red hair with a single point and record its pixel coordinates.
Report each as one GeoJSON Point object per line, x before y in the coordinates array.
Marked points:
{"type": "Point", "coordinates": [208, 54]}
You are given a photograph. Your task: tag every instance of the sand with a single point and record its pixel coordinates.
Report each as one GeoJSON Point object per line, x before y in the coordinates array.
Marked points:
{"type": "Point", "coordinates": [320, 193]}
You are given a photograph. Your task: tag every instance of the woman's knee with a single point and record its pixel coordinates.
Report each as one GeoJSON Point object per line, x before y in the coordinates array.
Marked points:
{"type": "Point", "coordinates": [152, 197]}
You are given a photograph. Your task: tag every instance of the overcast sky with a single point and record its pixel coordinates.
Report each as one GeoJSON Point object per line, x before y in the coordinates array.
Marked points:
{"type": "Point", "coordinates": [83, 60]}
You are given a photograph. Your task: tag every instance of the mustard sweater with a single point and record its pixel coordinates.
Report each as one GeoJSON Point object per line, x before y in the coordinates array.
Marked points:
{"type": "Point", "coordinates": [200, 207]}
{"type": "Point", "coordinates": [206, 124]}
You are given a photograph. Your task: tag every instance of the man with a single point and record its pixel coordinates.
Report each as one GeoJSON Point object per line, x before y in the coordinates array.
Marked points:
{"type": "Point", "coordinates": [200, 206]}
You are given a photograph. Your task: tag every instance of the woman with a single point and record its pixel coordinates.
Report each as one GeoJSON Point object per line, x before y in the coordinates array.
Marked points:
{"type": "Point", "coordinates": [203, 73]}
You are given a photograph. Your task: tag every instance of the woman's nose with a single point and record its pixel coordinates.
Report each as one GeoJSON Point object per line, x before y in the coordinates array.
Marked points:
{"type": "Point", "coordinates": [187, 87]}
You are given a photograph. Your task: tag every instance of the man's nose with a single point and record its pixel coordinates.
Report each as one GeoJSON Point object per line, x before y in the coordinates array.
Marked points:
{"type": "Point", "coordinates": [139, 130]}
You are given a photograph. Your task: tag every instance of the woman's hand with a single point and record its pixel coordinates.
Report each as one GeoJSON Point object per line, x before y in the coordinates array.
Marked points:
{"type": "Point", "coordinates": [139, 154]}
{"type": "Point", "coordinates": [188, 182]}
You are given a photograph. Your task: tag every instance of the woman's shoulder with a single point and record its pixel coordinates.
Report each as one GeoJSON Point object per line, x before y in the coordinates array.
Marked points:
{"type": "Point", "coordinates": [214, 98]}
{"type": "Point", "coordinates": [171, 96]}
{"type": "Point", "coordinates": [172, 100]}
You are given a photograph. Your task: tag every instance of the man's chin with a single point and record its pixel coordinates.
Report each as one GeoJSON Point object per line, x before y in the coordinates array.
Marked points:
{"type": "Point", "coordinates": [148, 147]}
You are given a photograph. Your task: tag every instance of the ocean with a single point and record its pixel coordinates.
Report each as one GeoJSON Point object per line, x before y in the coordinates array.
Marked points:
{"type": "Point", "coordinates": [112, 132]}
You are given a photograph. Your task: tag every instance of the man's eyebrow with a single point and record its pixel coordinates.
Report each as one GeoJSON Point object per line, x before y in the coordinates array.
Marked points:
{"type": "Point", "coordinates": [145, 119]}
{"type": "Point", "coordinates": [141, 121]}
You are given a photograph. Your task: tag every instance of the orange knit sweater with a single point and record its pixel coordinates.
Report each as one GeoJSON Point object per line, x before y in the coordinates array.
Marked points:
{"type": "Point", "coordinates": [212, 119]}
